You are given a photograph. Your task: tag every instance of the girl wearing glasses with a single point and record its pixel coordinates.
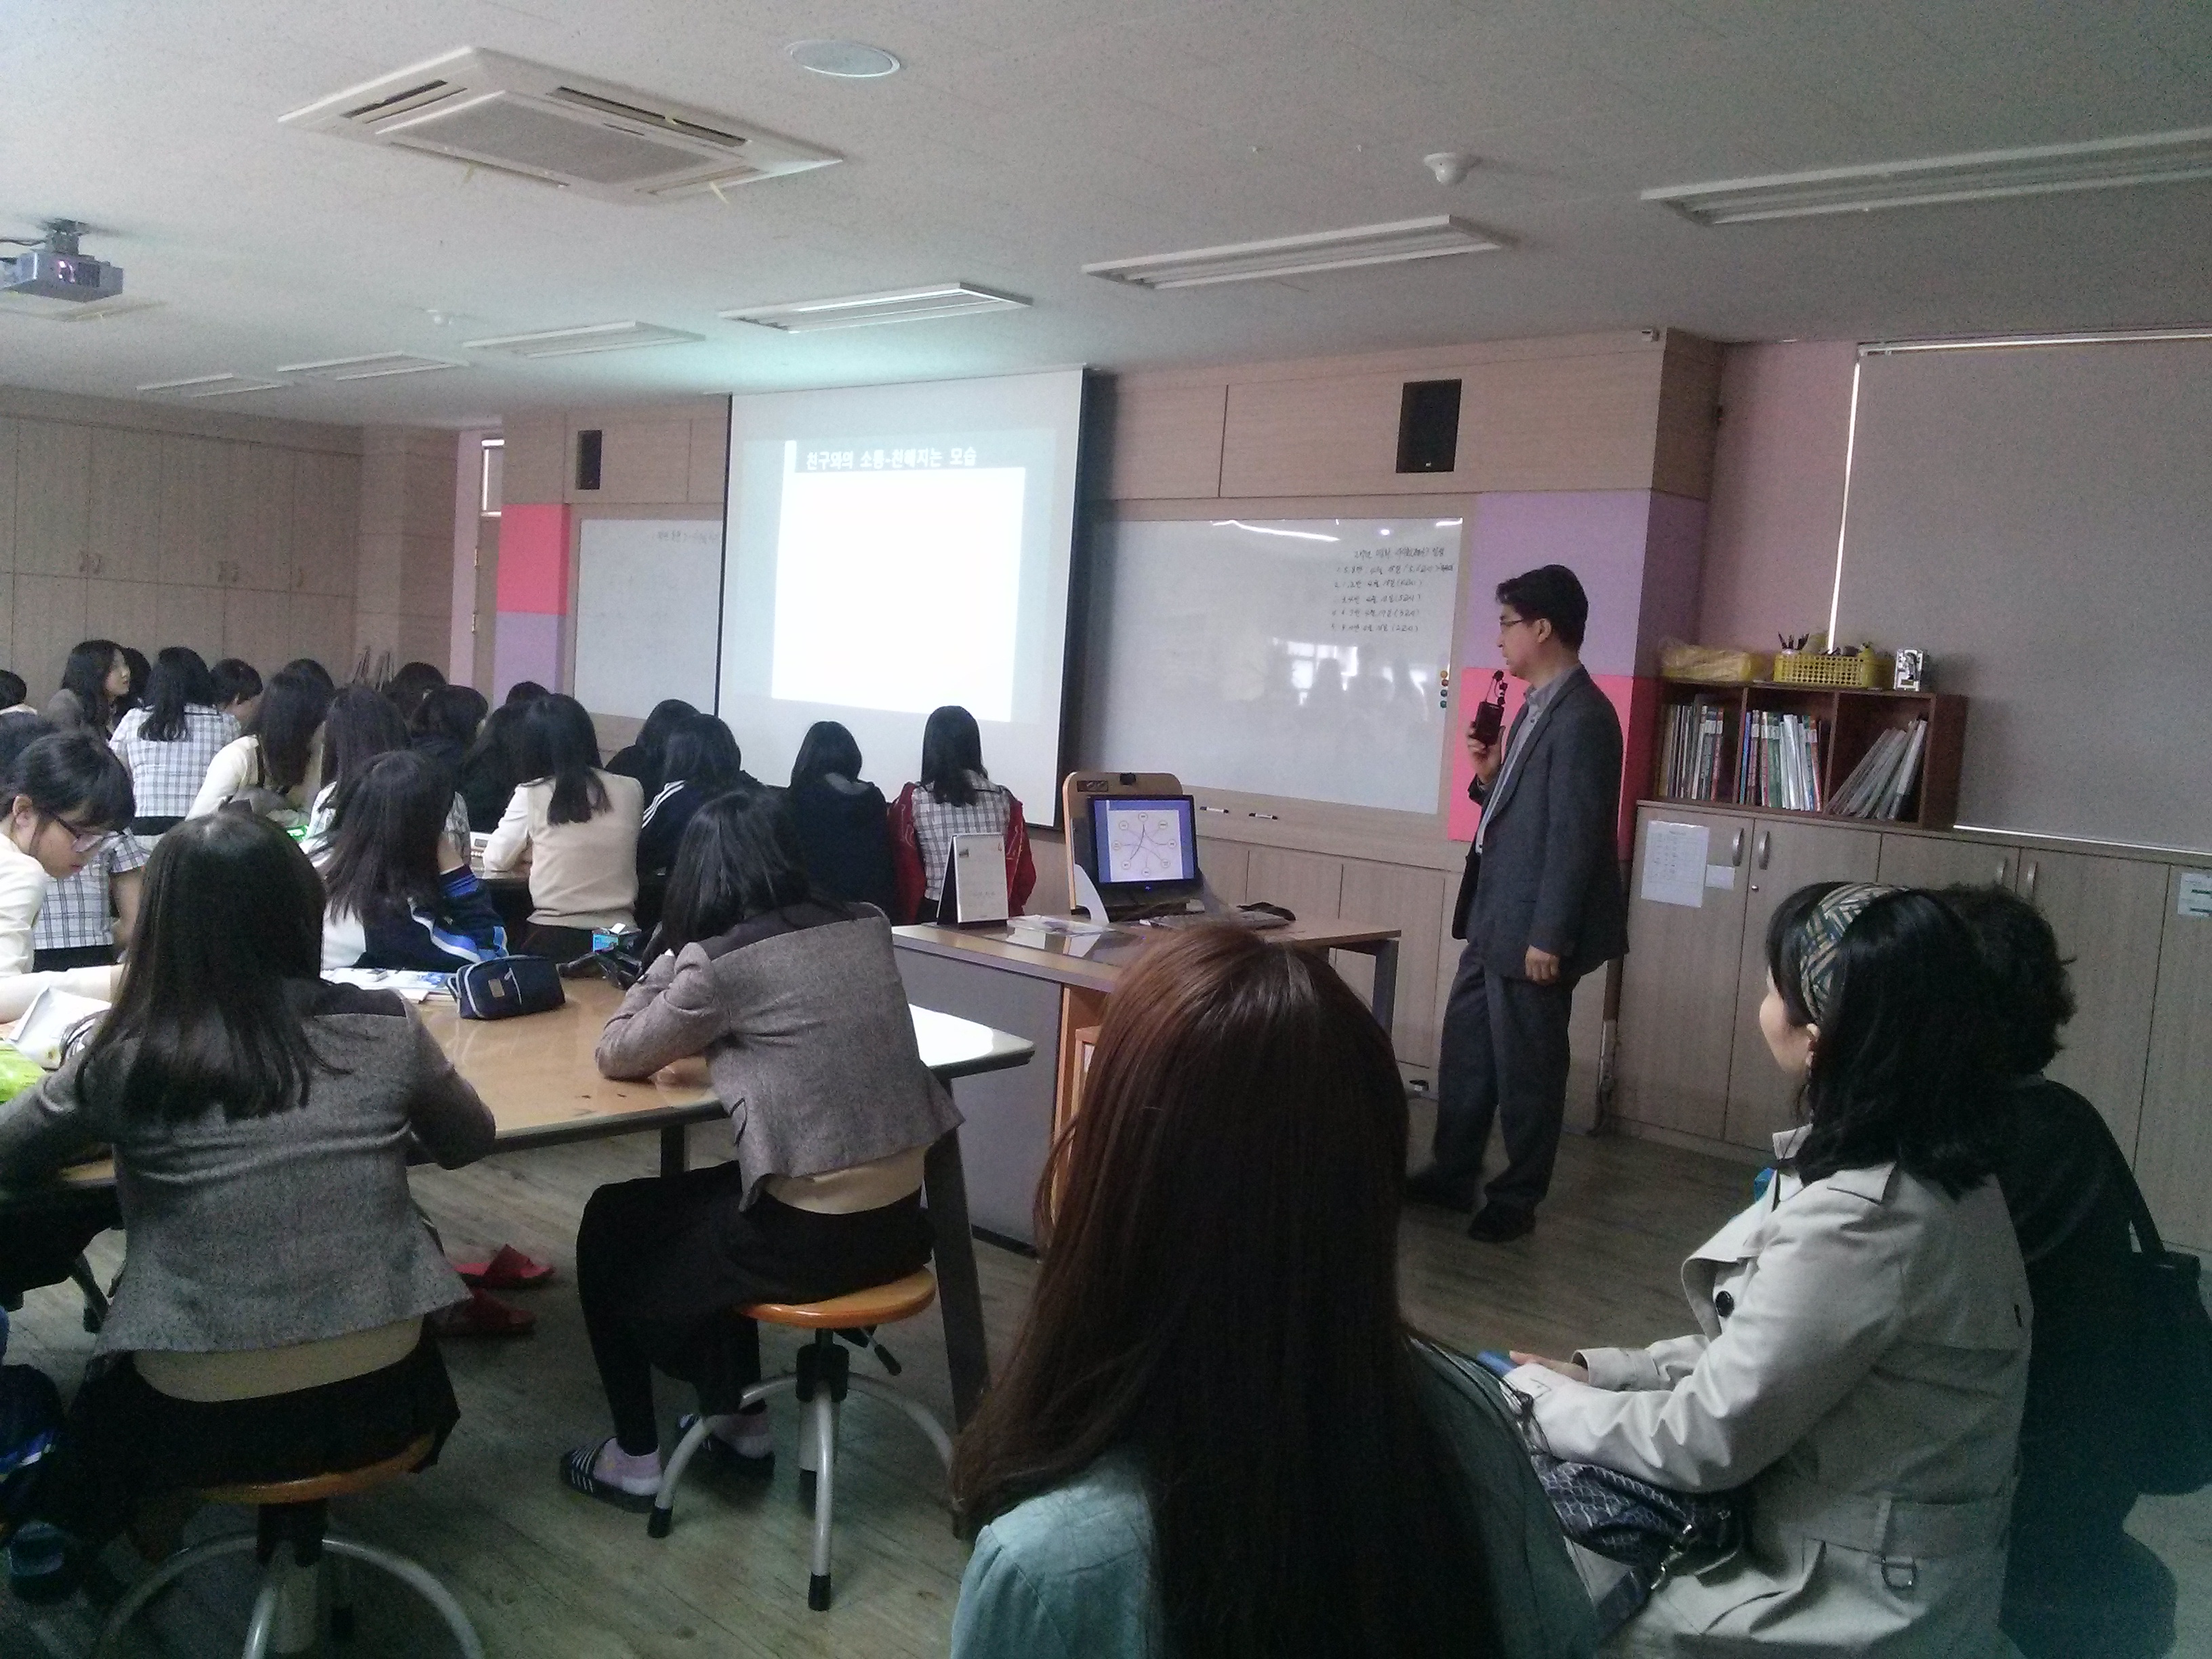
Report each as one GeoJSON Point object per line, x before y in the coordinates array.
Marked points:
{"type": "Point", "coordinates": [66, 796]}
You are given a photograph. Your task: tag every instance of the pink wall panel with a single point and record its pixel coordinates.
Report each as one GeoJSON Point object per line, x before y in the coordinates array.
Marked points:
{"type": "Point", "coordinates": [533, 559]}
{"type": "Point", "coordinates": [1778, 496]}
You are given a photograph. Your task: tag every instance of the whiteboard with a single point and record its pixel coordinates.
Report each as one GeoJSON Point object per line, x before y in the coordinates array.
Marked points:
{"type": "Point", "coordinates": [649, 613]}
{"type": "Point", "coordinates": [1300, 658]}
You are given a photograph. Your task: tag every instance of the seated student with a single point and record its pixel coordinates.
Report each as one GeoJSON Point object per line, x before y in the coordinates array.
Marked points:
{"type": "Point", "coordinates": [170, 744]}
{"type": "Point", "coordinates": [524, 692]}
{"type": "Point", "coordinates": [96, 677]}
{"type": "Point", "coordinates": [312, 669]}
{"type": "Point", "coordinates": [401, 891]}
{"type": "Point", "coordinates": [445, 725]}
{"type": "Point", "coordinates": [12, 693]}
{"type": "Point", "coordinates": [1216, 1434]}
{"type": "Point", "coordinates": [2077, 1586]}
{"type": "Point", "coordinates": [64, 795]}
{"type": "Point", "coordinates": [574, 828]}
{"type": "Point", "coordinates": [699, 761]}
{"type": "Point", "coordinates": [844, 824]}
{"type": "Point", "coordinates": [491, 771]}
{"type": "Point", "coordinates": [797, 1005]}
{"type": "Point", "coordinates": [956, 797]}
{"type": "Point", "coordinates": [641, 758]}
{"type": "Point", "coordinates": [237, 688]}
{"type": "Point", "coordinates": [1863, 1347]}
{"type": "Point", "coordinates": [84, 915]}
{"type": "Point", "coordinates": [413, 681]}
{"type": "Point", "coordinates": [277, 765]}
{"type": "Point", "coordinates": [241, 1094]}
{"type": "Point", "coordinates": [361, 725]}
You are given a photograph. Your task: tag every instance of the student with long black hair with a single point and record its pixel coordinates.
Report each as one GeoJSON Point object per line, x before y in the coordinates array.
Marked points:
{"type": "Point", "coordinates": [1216, 1435]}
{"type": "Point", "coordinates": [444, 726]}
{"type": "Point", "coordinates": [277, 765]}
{"type": "Point", "coordinates": [1862, 1353]}
{"type": "Point", "coordinates": [573, 826]}
{"type": "Point", "coordinates": [169, 744]}
{"type": "Point", "coordinates": [96, 677]}
{"type": "Point", "coordinates": [240, 1093]}
{"type": "Point", "coordinates": [361, 725]}
{"type": "Point", "coordinates": [401, 891]}
{"type": "Point", "coordinates": [237, 688]}
{"type": "Point", "coordinates": [492, 769]}
{"type": "Point", "coordinates": [844, 822]}
{"type": "Point", "coordinates": [955, 797]}
{"type": "Point", "coordinates": [641, 758]}
{"type": "Point", "coordinates": [409, 685]}
{"type": "Point", "coordinates": [699, 760]}
{"type": "Point", "coordinates": [796, 1004]}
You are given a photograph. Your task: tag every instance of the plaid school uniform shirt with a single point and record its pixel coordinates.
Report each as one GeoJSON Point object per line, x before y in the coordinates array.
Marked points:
{"type": "Point", "coordinates": [77, 914]}
{"type": "Point", "coordinates": [164, 776]}
{"type": "Point", "coordinates": [936, 823]}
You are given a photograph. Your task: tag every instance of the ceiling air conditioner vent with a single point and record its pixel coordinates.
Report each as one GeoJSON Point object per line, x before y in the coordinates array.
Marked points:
{"type": "Point", "coordinates": [489, 110]}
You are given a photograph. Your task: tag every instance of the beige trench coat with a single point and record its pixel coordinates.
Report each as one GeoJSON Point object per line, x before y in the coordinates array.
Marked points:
{"type": "Point", "coordinates": [1861, 1364]}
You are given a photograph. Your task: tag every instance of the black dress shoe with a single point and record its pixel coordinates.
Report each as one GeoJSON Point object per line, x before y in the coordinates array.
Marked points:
{"type": "Point", "coordinates": [1427, 1186]}
{"type": "Point", "coordinates": [1498, 1226]}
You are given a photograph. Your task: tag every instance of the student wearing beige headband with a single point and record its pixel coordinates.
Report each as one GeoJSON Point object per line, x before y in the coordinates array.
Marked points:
{"type": "Point", "coordinates": [1861, 1355]}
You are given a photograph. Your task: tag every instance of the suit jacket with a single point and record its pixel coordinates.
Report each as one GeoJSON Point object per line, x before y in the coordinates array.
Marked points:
{"type": "Point", "coordinates": [1548, 874]}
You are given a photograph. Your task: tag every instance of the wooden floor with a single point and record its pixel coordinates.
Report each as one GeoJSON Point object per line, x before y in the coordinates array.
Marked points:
{"type": "Point", "coordinates": [546, 1574]}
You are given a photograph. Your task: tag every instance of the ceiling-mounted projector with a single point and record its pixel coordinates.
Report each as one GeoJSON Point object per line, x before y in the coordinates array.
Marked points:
{"type": "Point", "coordinates": [55, 270]}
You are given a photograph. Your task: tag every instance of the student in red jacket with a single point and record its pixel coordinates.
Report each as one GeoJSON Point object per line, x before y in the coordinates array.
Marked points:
{"type": "Point", "coordinates": [956, 797]}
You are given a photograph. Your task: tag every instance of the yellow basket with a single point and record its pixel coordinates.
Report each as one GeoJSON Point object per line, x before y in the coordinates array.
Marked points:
{"type": "Point", "coordinates": [1862, 670]}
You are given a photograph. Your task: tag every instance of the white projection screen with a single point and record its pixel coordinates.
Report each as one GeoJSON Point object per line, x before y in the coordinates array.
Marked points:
{"type": "Point", "coordinates": [889, 548]}
{"type": "Point", "coordinates": [2039, 521]}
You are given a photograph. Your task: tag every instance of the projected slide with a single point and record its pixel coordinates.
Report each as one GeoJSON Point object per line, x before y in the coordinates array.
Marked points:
{"type": "Point", "coordinates": [890, 549]}
{"type": "Point", "coordinates": [879, 565]}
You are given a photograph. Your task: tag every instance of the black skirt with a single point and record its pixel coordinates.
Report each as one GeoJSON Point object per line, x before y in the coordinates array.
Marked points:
{"type": "Point", "coordinates": [125, 1441]}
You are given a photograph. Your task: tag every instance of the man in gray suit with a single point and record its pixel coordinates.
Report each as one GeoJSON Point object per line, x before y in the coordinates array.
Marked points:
{"type": "Point", "coordinates": [1539, 906]}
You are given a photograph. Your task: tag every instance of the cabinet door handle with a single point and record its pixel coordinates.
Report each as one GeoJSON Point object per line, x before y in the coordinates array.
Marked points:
{"type": "Point", "coordinates": [2004, 871]}
{"type": "Point", "coordinates": [1735, 851]}
{"type": "Point", "coordinates": [1765, 847]}
{"type": "Point", "coordinates": [2033, 870]}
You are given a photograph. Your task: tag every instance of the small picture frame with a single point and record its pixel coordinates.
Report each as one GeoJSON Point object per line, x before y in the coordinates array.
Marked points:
{"type": "Point", "coordinates": [1910, 672]}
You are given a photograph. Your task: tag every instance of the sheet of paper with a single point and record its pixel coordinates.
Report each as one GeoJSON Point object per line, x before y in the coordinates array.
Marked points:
{"type": "Point", "coordinates": [1722, 876]}
{"type": "Point", "coordinates": [1674, 863]}
{"type": "Point", "coordinates": [2195, 897]}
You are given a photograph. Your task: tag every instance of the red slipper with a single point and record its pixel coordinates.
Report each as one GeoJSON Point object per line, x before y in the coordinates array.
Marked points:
{"type": "Point", "coordinates": [507, 1270]}
{"type": "Point", "coordinates": [482, 1315]}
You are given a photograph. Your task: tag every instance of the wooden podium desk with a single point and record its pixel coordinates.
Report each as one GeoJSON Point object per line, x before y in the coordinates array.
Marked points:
{"type": "Point", "coordinates": [538, 1076]}
{"type": "Point", "coordinates": [1048, 986]}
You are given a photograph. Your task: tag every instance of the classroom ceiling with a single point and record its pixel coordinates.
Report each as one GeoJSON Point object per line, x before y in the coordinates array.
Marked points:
{"type": "Point", "coordinates": [1024, 138]}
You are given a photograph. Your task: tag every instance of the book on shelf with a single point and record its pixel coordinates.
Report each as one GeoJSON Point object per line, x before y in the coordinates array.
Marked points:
{"type": "Point", "coordinates": [1693, 751]}
{"type": "Point", "coordinates": [1779, 762]}
{"type": "Point", "coordinates": [1883, 780]}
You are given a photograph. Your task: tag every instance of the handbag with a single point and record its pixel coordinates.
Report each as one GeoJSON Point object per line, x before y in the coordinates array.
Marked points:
{"type": "Point", "coordinates": [2171, 1400]}
{"type": "Point", "coordinates": [507, 986]}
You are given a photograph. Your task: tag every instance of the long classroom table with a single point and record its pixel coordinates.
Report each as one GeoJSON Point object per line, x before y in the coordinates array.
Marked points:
{"type": "Point", "coordinates": [538, 1076]}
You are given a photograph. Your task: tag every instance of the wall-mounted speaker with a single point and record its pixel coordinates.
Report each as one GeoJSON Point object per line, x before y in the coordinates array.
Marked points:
{"type": "Point", "coordinates": [1428, 426]}
{"type": "Point", "coordinates": [588, 446]}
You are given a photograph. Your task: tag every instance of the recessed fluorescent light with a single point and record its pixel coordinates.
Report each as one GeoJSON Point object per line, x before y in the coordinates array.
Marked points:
{"type": "Point", "coordinates": [902, 305]}
{"type": "Point", "coordinates": [215, 385]}
{"type": "Point", "coordinates": [2101, 164]}
{"type": "Point", "coordinates": [845, 60]}
{"type": "Point", "coordinates": [576, 342]}
{"type": "Point", "coordinates": [1270, 530]}
{"type": "Point", "coordinates": [2014, 341]}
{"type": "Point", "coordinates": [1289, 256]}
{"type": "Point", "coordinates": [374, 367]}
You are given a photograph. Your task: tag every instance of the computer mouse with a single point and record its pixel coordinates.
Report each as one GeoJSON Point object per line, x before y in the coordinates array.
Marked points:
{"type": "Point", "coordinates": [1271, 910]}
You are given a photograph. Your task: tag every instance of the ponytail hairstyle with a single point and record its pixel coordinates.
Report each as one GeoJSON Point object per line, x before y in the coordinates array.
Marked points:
{"type": "Point", "coordinates": [559, 746]}
{"type": "Point", "coordinates": [181, 680]}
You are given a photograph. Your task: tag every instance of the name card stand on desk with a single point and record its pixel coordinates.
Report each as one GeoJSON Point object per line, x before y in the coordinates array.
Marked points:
{"type": "Point", "coordinates": [974, 892]}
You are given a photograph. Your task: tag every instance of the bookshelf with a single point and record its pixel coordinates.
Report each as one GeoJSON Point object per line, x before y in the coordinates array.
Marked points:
{"type": "Point", "coordinates": [1851, 721]}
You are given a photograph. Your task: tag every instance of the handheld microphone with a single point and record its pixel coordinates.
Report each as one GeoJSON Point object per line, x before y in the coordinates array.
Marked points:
{"type": "Point", "coordinates": [1489, 713]}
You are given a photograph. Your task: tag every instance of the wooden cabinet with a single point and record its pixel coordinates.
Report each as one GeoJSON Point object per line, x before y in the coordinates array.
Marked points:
{"type": "Point", "coordinates": [195, 481]}
{"type": "Point", "coordinates": [258, 529]}
{"type": "Point", "coordinates": [1932, 861]}
{"type": "Point", "coordinates": [1309, 885]}
{"type": "Point", "coordinates": [129, 613]}
{"type": "Point", "coordinates": [1165, 441]}
{"type": "Point", "coordinates": [53, 502]}
{"type": "Point", "coordinates": [2108, 915]}
{"type": "Point", "coordinates": [1678, 986]}
{"type": "Point", "coordinates": [125, 508]}
{"type": "Point", "coordinates": [1411, 900]}
{"type": "Point", "coordinates": [1786, 855]}
{"type": "Point", "coordinates": [8, 429]}
{"type": "Point", "coordinates": [49, 619]}
{"type": "Point", "coordinates": [321, 627]}
{"type": "Point", "coordinates": [1228, 867]}
{"type": "Point", "coordinates": [257, 625]}
{"type": "Point", "coordinates": [325, 523]}
{"type": "Point", "coordinates": [2173, 1151]}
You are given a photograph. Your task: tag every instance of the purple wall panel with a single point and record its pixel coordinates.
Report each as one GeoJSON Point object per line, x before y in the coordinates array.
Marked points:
{"type": "Point", "coordinates": [525, 646]}
{"type": "Point", "coordinates": [1598, 534]}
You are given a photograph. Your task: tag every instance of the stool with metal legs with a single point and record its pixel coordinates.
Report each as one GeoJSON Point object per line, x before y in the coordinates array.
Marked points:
{"type": "Point", "coordinates": [290, 1542]}
{"type": "Point", "coordinates": [821, 1378]}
